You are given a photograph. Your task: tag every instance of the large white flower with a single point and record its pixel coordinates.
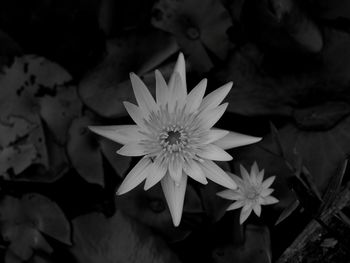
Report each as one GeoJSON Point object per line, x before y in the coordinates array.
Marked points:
{"type": "Point", "coordinates": [252, 192]}
{"type": "Point", "coordinates": [174, 135]}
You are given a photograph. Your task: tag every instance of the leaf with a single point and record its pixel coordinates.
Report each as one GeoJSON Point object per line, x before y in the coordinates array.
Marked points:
{"type": "Point", "coordinates": [196, 28]}
{"type": "Point", "coordinates": [150, 208]}
{"type": "Point", "coordinates": [256, 248]}
{"type": "Point", "coordinates": [34, 91]}
{"type": "Point", "coordinates": [137, 51]}
{"type": "Point", "coordinates": [257, 91]}
{"type": "Point", "coordinates": [287, 211]}
{"type": "Point", "coordinates": [86, 151]}
{"type": "Point", "coordinates": [24, 220]}
{"type": "Point", "coordinates": [16, 159]}
{"type": "Point", "coordinates": [116, 239]}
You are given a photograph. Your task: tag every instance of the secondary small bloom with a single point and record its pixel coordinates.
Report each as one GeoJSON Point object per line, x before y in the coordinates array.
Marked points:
{"type": "Point", "coordinates": [252, 192]}
{"type": "Point", "coordinates": [174, 135]}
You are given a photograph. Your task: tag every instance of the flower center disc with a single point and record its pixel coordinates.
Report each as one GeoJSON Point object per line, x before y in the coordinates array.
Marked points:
{"type": "Point", "coordinates": [173, 137]}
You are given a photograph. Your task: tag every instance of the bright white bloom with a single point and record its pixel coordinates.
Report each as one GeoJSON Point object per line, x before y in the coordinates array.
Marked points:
{"type": "Point", "coordinates": [174, 135]}
{"type": "Point", "coordinates": [252, 192]}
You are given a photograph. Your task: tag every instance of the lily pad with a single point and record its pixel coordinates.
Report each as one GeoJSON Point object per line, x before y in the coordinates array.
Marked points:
{"type": "Point", "coordinates": [86, 152]}
{"type": "Point", "coordinates": [24, 220]}
{"type": "Point", "coordinates": [116, 239]}
{"type": "Point", "coordinates": [138, 52]}
{"type": "Point", "coordinates": [196, 27]}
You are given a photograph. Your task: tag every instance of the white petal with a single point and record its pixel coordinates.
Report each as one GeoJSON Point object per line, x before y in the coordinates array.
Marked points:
{"type": "Point", "coordinates": [135, 176]}
{"type": "Point", "coordinates": [194, 98]}
{"type": "Point", "coordinates": [254, 171]}
{"type": "Point", "coordinates": [156, 174]}
{"type": "Point", "coordinates": [269, 200]}
{"type": "Point", "coordinates": [119, 133]}
{"type": "Point", "coordinates": [214, 135]}
{"type": "Point", "coordinates": [135, 113]}
{"type": "Point", "coordinates": [213, 99]}
{"type": "Point", "coordinates": [213, 152]}
{"type": "Point", "coordinates": [180, 68]}
{"type": "Point", "coordinates": [143, 96]}
{"type": "Point", "coordinates": [238, 180]}
{"type": "Point", "coordinates": [229, 194]}
{"type": "Point", "coordinates": [175, 169]}
{"type": "Point", "coordinates": [193, 170]}
{"type": "Point", "coordinates": [133, 149]}
{"type": "Point", "coordinates": [257, 209]}
{"type": "Point", "coordinates": [244, 174]}
{"type": "Point", "coordinates": [210, 117]}
{"type": "Point", "coordinates": [234, 139]}
{"type": "Point", "coordinates": [213, 172]}
{"type": "Point", "coordinates": [260, 176]}
{"type": "Point", "coordinates": [266, 192]}
{"type": "Point", "coordinates": [236, 205]}
{"type": "Point", "coordinates": [246, 210]}
{"type": "Point", "coordinates": [177, 95]}
{"type": "Point", "coordinates": [162, 90]}
{"type": "Point", "coordinates": [268, 182]}
{"type": "Point", "coordinates": [174, 195]}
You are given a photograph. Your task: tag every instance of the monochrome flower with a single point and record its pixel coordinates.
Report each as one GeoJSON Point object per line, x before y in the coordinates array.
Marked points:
{"type": "Point", "coordinates": [252, 192]}
{"type": "Point", "coordinates": [175, 136]}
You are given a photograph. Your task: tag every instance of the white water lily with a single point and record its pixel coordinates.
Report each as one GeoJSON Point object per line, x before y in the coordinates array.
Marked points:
{"type": "Point", "coordinates": [252, 192]}
{"type": "Point", "coordinates": [174, 135]}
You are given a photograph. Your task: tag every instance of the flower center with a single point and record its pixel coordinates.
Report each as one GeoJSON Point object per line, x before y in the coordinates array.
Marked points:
{"type": "Point", "coordinates": [251, 194]}
{"type": "Point", "coordinates": [173, 137]}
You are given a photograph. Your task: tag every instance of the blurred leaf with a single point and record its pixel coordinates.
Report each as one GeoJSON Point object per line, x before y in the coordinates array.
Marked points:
{"type": "Point", "coordinates": [256, 248]}
{"type": "Point", "coordinates": [136, 51]}
{"type": "Point", "coordinates": [116, 239]}
{"type": "Point", "coordinates": [150, 208]}
{"type": "Point", "coordinates": [86, 151]}
{"type": "Point", "coordinates": [16, 159]}
{"type": "Point", "coordinates": [196, 27]}
{"type": "Point", "coordinates": [24, 220]}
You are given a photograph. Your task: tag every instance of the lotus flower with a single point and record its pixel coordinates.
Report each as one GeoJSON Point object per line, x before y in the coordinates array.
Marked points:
{"type": "Point", "coordinates": [252, 192]}
{"type": "Point", "coordinates": [175, 136]}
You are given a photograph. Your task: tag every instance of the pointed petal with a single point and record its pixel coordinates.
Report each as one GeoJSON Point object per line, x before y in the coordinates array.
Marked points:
{"type": "Point", "coordinates": [268, 182]}
{"type": "Point", "coordinates": [213, 152]}
{"type": "Point", "coordinates": [254, 171]}
{"type": "Point", "coordinates": [269, 200]}
{"type": "Point", "coordinates": [175, 169]}
{"type": "Point", "coordinates": [245, 213]}
{"type": "Point", "coordinates": [157, 172]}
{"type": "Point", "coordinates": [135, 113]}
{"type": "Point", "coordinates": [213, 172]}
{"type": "Point", "coordinates": [214, 135]}
{"type": "Point", "coordinates": [236, 205]}
{"type": "Point", "coordinates": [266, 192]}
{"type": "Point", "coordinates": [162, 90]}
{"type": "Point", "coordinates": [193, 170]}
{"type": "Point", "coordinates": [234, 139]}
{"type": "Point", "coordinates": [244, 174]}
{"type": "Point", "coordinates": [210, 117]}
{"type": "Point", "coordinates": [257, 209]}
{"type": "Point", "coordinates": [180, 68]}
{"type": "Point", "coordinates": [260, 176]}
{"type": "Point", "coordinates": [194, 98]}
{"type": "Point", "coordinates": [229, 194]}
{"type": "Point", "coordinates": [135, 176]}
{"type": "Point", "coordinates": [143, 96]}
{"type": "Point", "coordinates": [119, 133]}
{"type": "Point", "coordinates": [174, 195]}
{"type": "Point", "coordinates": [238, 180]}
{"type": "Point", "coordinates": [133, 149]}
{"type": "Point", "coordinates": [213, 99]}
{"type": "Point", "coordinates": [177, 96]}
